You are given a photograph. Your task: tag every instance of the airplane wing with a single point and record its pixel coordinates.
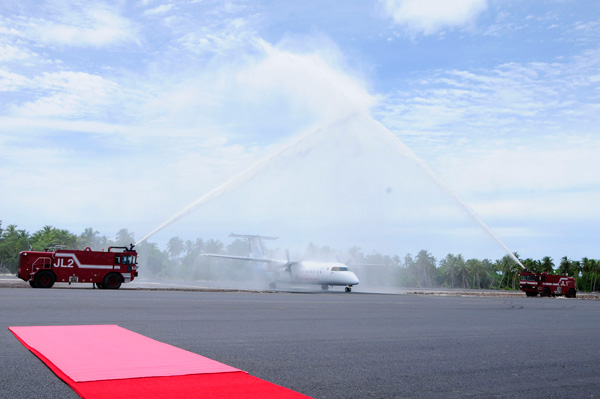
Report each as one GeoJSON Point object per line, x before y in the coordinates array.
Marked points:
{"type": "Point", "coordinates": [264, 260]}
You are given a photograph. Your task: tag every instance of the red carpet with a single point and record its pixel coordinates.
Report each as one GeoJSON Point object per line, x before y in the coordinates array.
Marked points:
{"type": "Point", "coordinates": [238, 385]}
{"type": "Point", "coordinates": [161, 370]}
{"type": "Point", "coordinates": [108, 352]}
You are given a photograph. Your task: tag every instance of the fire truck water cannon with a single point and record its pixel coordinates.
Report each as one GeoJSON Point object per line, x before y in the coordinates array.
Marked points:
{"type": "Point", "coordinates": [104, 269]}
{"type": "Point", "coordinates": [546, 284]}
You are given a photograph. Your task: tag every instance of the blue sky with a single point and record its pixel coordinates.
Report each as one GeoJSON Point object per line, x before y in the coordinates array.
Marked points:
{"type": "Point", "coordinates": [118, 114]}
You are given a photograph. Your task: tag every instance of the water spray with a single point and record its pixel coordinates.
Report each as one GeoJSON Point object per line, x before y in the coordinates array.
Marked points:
{"type": "Point", "coordinates": [384, 134]}
{"type": "Point", "coordinates": [232, 183]}
{"type": "Point", "coordinates": [440, 183]}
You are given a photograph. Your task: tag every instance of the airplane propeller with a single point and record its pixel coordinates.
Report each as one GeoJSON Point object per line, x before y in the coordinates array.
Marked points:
{"type": "Point", "coordinates": [288, 265]}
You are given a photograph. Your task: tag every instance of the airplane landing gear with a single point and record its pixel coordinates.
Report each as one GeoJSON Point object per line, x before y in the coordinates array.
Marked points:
{"type": "Point", "coordinates": [349, 288]}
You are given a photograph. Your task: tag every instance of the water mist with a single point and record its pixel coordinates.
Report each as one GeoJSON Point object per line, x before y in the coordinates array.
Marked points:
{"type": "Point", "coordinates": [357, 135]}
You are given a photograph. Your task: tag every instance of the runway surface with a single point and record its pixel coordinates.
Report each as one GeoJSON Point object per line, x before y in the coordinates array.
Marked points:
{"type": "Point", "coordinates": [335, 345]}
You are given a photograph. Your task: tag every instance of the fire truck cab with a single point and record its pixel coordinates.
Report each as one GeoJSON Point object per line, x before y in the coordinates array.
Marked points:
{"type": "Point", "coordinates": [546, 284]}
{"type": "Point", "coordinates": [104, 269]}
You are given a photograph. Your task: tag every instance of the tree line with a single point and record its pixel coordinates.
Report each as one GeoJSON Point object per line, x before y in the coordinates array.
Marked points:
{"type": "Point", "coordinates": [182, 260]}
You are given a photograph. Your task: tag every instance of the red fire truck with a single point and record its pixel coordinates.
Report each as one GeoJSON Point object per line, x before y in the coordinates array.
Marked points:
{"type": "Point", "coordinates": [547, 284]}
{"type": "Point", "coordinates": [105, 269]}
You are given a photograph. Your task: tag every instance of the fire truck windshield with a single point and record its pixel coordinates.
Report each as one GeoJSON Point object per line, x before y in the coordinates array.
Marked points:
{"type": "Point", "coordinates": [128, 260]}
{"type": "Point", "coordinates": [527, 277]}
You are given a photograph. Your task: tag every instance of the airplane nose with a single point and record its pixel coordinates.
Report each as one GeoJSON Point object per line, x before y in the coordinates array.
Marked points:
{"type": "Point", "coordinates": [353, 279]}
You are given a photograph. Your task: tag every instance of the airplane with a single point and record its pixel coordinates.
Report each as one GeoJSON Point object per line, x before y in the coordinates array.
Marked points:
{"type": "Point", "coordinates": [325, 274]}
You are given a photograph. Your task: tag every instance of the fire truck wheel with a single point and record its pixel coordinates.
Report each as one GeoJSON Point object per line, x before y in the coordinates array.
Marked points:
{"type": "Point", "coordinates": [546, 292]}
{"type": "Point", "coordinates": [571, 293]}
{"type": "Point", "coordinates": [44, 279]}
{"type": "Point", "coordinates": [112, 281]}
{"type": "Point", "coordinates": [32, 284]}
{"type": "Point", "coordinates": [100, 286]}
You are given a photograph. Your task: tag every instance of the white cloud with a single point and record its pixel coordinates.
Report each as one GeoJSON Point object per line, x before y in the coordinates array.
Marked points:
{"type": "Point", "coordinates": [309, 81]}
{"type": "Point", "coordinates": [512, 101]}
{"type": "Point", "coordinates": [431, 16]}
{"type": "Point", "coordinates": [207, 96]}
{"type": "Point", "coordinates": [67, 94]}
{"type": "Point", "coordinates": [10, 81]}
{"type": "Point", "coordinates": [220, 32]}
{"type": "Point", "coordinates": [256, 89]}
{"type": "Point", "coordinates": [561, 165]}
{"type": "Point", "coordinates": [9, 52]}
{"type": "Point", "coordinates": [77, 25]}
{"type": "Point", "coordinates": [518, 142]}
{"type": "Point", "coordinates": [231, 34]}
{"type": "Point", "coordinates": [161, 9]}
{"type": "Point", "coordinates": [192, 124]}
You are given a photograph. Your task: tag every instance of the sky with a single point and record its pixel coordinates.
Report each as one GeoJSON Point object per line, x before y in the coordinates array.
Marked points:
{"type": "Point", "coordinates": [119, 114]}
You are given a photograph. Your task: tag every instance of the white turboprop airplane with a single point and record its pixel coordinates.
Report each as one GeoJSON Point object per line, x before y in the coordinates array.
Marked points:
{"type": "Point", "coordinates": [325, 274]}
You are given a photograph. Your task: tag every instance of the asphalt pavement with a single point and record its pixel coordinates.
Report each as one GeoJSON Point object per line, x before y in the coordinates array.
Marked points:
{"type": "Point", "coordinates": [334, 345]}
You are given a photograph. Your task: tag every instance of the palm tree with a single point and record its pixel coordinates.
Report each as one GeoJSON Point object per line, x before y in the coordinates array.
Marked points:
{"type": "Point", "coordinates": [462, 273]}
{"type": "Point", "coordinates": [448, 270]}
{"type": "Point", "coordinates": [13, 241]}
{"type": "Point", "coordinates": [595, 268]}
{"type": "Point", "coordinates": [509, 269]}
{"type": "Point", "coordinates": [124, 238]}
{"type": "Point", "coordinates": [547, 264]}
{"type": "Point", "coordinates": [425, 264]}
{"type": "Point", "coordinates": [175, 247]}
{"type": "Point", "coordinates": [476, 270]}
{"type": "Point", "coordinates": [89, 238]}
{"type": "Point", "coordinates": [565, 267]}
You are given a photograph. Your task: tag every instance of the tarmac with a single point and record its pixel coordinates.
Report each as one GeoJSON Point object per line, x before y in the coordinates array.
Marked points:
{"type": "Point", "coordinates": [411, 344]}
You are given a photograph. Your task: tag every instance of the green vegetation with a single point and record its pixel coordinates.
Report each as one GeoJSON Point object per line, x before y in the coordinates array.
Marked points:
{"type": "Point", "coordinates": [182, 259]}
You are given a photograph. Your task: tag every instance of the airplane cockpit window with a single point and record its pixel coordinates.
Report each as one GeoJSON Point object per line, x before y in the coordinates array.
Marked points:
{"type": "Point", "coordinates": [339, 269]}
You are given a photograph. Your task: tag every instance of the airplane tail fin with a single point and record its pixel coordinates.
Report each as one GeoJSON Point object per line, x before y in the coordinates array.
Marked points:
{"type": "Point", "coordinates": [256, 248]}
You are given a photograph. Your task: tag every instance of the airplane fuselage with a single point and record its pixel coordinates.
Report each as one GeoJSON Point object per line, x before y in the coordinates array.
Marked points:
{"type": "Point", "coordinates": [325, 274]}
{"type": "Point", "coordinates": [319, 273]}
